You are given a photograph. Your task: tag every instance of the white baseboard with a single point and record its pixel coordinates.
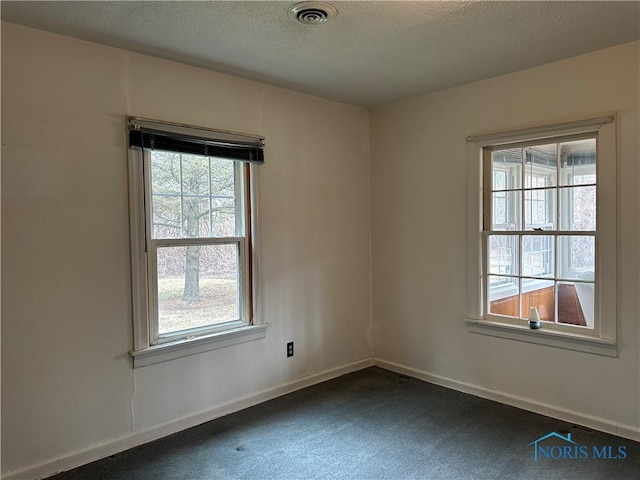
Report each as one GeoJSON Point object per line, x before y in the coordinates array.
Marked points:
{"type": "Point", "coordinates": [119, 444]}
{"type": "Point", "coordinates": [579, 418]}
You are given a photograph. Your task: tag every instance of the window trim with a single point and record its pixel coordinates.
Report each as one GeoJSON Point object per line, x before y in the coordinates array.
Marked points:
{"type": "Point", "coordinates": [185, 347]}
{"type": "Point", "coordinates": [231, 333]}
{"type": "Point", "coordinates": [602, 339]}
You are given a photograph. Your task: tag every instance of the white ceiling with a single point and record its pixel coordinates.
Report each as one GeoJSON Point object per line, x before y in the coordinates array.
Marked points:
{"type": "Point", "coordinates": [372, 53]}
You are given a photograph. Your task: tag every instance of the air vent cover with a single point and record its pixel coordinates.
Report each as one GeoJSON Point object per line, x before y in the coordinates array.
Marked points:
{"type": "Point", "coordinates": [312, 13]}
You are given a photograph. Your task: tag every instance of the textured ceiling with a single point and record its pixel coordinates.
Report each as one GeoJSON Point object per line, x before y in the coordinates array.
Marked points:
{"type": "Point", "coordinates": [373, 52]}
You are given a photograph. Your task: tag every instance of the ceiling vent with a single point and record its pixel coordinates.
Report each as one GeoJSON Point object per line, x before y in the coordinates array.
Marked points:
{"type": "Point", "coordinates": [312, 13]}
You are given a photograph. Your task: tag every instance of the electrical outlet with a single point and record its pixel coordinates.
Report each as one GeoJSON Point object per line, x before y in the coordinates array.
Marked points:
{"type": "Point", "coordinates": [289, 349]}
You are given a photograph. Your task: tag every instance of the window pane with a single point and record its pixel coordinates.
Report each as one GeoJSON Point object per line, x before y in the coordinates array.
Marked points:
{"type": "Point", "coordinates": [540, 166]}
{"type": "Point", "coordinates": [576, 257]}
{"type": "Point", "coordinates": [503, 254]}
{"type": "Point", "coordinates": [537, 256]}
{"type": "Point", "coordinates": [224, 217]}
{"type": "Point", "coordinates": [578, 208]}
{"type": "Point", "coordinates": [540, 209]}
{"type": "Point", "coordinates": [575, 303]}
{"type": "Point", "coordinates": [507, 169]}
{"type": "Point", "coordinates": [578, 162]}
{"type": "Point", "coordinates": [541, 295]}
{"type": "Point", "coordinates": [165, 172]}
{"type": "Point", "coordinates": [166, 216]}
{"type": "Point", "coordinates": [195, 175]}
{"type": "Point", "coordinates": [194, 196]}
{"type": "Point", "coordinates": [195, 215]}
{"type": "Point", "coordinates": [506, 211]}
{"type": "Point", "coordinates": [500, 179]}
{"type": "Point", "coordinates": [223, 179]}
{"type": "Point", "coordinates": [504, 296]}
{"type": "Point", "coordinates": [500, 208]}
{"type": "Point", "coordinates": [197, 286]}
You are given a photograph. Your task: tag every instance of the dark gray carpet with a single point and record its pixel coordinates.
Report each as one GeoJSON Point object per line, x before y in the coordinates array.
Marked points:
{"type": "Point", "coordinates": [372, 424]}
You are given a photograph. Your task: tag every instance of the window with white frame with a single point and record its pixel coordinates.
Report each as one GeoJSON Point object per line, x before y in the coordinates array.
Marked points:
{"type": "Point", "coordinates": [546, 233]}
{"type": "Point", "coordinates": [540, 234]}
{"type": "Point", "coordinates": [192, 236]}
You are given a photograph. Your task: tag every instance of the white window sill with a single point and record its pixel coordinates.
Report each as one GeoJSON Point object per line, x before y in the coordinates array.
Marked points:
{"type": "Point", "coordinates": [192, 346]}
{"type": "Point", "coordinates": [542, 336]}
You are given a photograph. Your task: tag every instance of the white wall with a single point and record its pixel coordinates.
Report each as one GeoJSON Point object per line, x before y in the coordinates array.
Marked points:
{"type": "Point", "coordinates": [67, 379]}
{"type": "Point", "coordinates": [419, 269]}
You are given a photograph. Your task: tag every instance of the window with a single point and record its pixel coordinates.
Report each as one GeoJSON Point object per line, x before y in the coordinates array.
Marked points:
{"type": "Point", "coordinates": [193, 238]}
{"type": "Point", "coordinates": [540, 236]}
{"type": "Point", "coordinates": [544, 236]}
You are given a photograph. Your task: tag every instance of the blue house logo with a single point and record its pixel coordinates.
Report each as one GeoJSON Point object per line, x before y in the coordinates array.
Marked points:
{"type": "Point", "coordinates": [568, 449]}
{"type": "Point", "coordinates": [547, 436]}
